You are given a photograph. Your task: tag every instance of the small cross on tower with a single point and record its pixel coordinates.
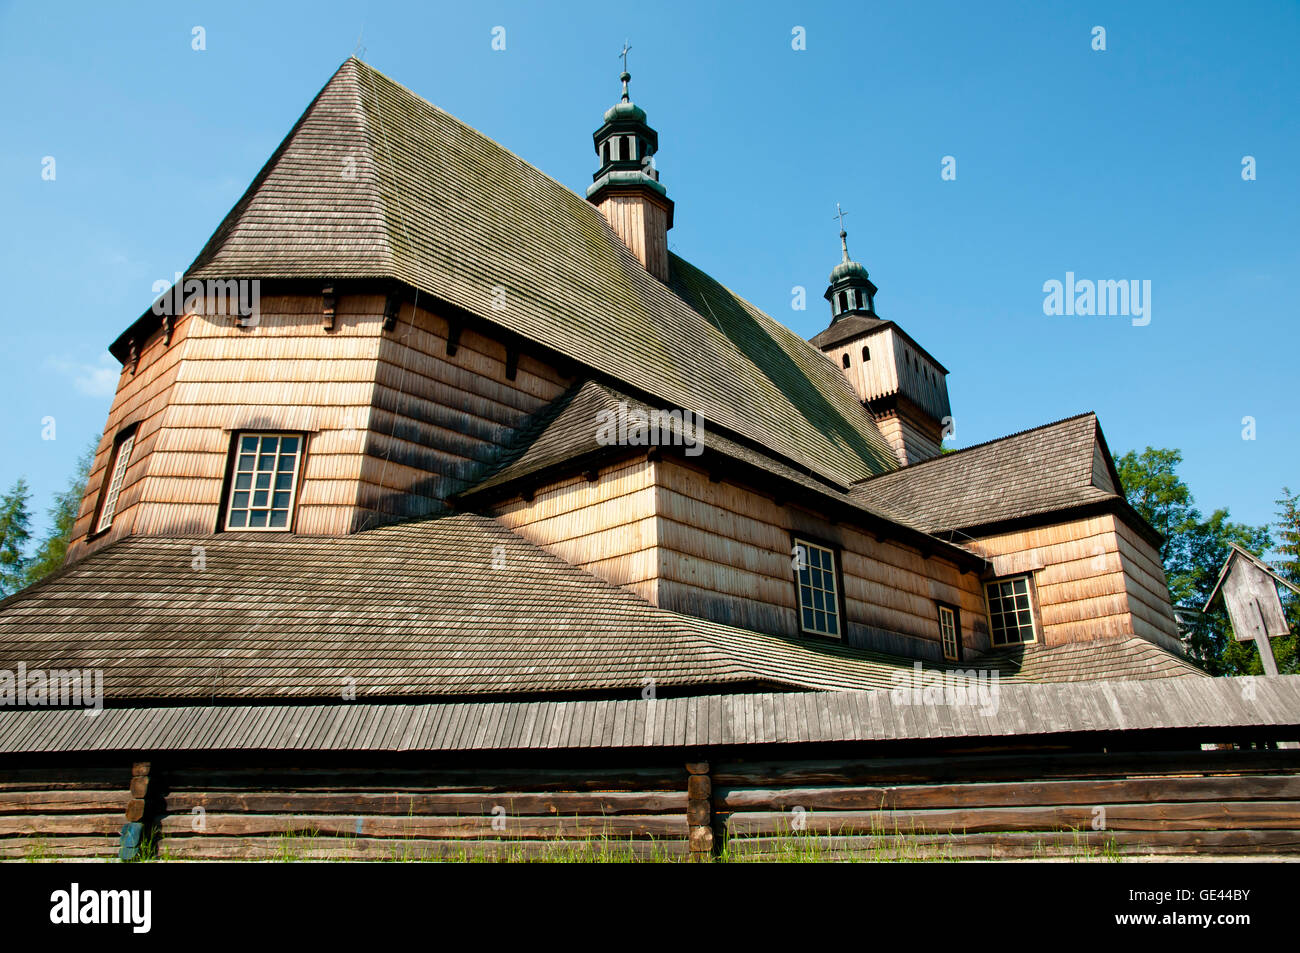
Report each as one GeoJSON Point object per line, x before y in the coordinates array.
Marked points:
{"type": "Point", "coordinates": [626, 75]}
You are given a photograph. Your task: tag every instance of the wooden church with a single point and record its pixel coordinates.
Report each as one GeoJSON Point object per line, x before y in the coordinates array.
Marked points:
{"type": "Point", "coordinates": [482, 489]}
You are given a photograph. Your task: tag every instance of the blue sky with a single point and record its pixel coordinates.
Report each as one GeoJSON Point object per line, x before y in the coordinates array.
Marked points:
{"type": "Point", "coordinates": [1117, 164]}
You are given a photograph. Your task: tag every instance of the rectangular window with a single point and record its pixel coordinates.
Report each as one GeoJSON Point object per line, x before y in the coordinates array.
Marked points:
{"type": "Point", "coordinates": [819, 593]}
{"type": "Point", "coordinates": [949, 634]}
{"type": "Point", "coordinates": [264, 481]}
{"type": "Point", "coordinates": [1011, 614]}
{"type": "Point", "coordinates": [117, 473]}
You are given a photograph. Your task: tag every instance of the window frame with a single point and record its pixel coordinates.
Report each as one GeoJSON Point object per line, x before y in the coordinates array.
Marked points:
{"type": "Point", "coordinates": [956, 628]}
{"type": "Point", "coordinates": [123, 437]}
{"type": "Point", "coordinates": [1030, 593]}
{"type": "Point", "coordinates": [837, 578]}
{"type": "Point", "coordinates": [232, 471]}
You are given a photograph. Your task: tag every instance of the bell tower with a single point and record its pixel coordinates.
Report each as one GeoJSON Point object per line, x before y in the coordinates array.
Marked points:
{"type": "Point", "coordinates": [626, 186]}
{"type": "Point", "coordinates": [902, 385]}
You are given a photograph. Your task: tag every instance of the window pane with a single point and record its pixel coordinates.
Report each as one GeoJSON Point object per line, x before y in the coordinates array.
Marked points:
{"type": "Point", "coordinates": [257, 518]}
{"type": "Point", "coordinates": [238, 518]}
{"type": "Point", "coordinates": [248, 444]}
{"type": "Point", "coordinates": [289, 445]}
{"type": "Point", "coordinates": [244, 481]}
{"type": "Point", "coordinates": [279, 517]}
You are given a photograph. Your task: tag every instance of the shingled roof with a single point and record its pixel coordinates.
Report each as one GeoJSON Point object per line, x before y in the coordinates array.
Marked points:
{"type": "Point", "coordinates": [435, 204]}
{"type": "Point", "coordinates": [447, 607]}
{"type": "Point", "coordinates": [1058, 466]}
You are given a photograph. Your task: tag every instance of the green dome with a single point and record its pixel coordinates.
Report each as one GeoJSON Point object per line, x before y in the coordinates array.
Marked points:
{"type": "Point", "coordinates": [623, 112]}
{"type": "Point", "coordinates": [848, 269]}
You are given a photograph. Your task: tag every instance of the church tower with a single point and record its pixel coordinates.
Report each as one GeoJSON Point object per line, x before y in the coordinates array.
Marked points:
{"type": "Point", "coordinates": [902, 385]}
{"type": "Point", "coordinates": [626, 187]}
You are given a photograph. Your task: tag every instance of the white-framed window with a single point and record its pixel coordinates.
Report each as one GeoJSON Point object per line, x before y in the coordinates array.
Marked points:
{"type": "Point", "coordinates": [116, 474]}
{"type": "Point", "coordinates": [1011, 611]}
{"type": "Point", "coordinates": [948, 634]}
{"type": "Point", "coordinates": [818, 586]}
{"type": "Point", "coordinates": [264, 481]}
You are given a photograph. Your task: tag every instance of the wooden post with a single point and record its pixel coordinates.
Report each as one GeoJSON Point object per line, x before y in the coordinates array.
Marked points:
{"type": "Point", "coordinates": [699, 810]}
{"type": "Point", "coordinates": [136, 812]}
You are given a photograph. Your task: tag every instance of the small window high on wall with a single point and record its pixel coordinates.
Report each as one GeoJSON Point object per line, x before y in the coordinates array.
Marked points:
{"type": "Point", "coordinates": [1011, 611]}
{"type": "Point", "coordinates": [949, 633]}
{"type": "Point", "coordinates": [264, 481]}
{"type": "Point", "coordinates": [122, 448]}
{"type": "Point", "coordinates": [818, 585]}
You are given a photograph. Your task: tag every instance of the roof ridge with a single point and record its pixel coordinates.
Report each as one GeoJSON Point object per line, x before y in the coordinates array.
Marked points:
{"type": "Point", "coordinates": [977, 446]}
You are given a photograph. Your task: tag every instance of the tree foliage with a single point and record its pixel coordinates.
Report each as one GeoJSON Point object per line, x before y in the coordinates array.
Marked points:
{"type": "Point", "coordinates": [1194, 550]}
{"type": "Point", "coordinates": [53, 548]}
{"type": "Point", "coordinates": [15, 531]}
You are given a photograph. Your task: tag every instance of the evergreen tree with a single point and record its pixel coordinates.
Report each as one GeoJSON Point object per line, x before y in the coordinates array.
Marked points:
{"type": "Point", "coordinates": [63, 514]}
{"type": "Point", "coordinates": [15, 530]}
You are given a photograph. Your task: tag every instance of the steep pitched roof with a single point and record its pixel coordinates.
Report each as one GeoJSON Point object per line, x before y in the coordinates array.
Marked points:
{"type": "Point", "coordinates": [431, 202]}
{"type": "Point", "coordinates": [1054, 467]}
{"type": "Point", "coordinates": [454, 606]}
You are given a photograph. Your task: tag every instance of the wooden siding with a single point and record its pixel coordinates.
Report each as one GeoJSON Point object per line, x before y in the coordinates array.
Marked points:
{"type": "Point", "coordinates": [1094, 578]}
{"type": "Point", "coordinates": [643, 226]}
{"type": "Point", "coordinates": [721, 551]}
{"type": "Point", "coordinates": [394, 424]}
{"type": "Point", "coordinates": [913, 439]}
{"type": "Point", "coordinates": [607, 527]}
{"type": "Point", "coordinates": [439, 420]}
{"type": "Point", "coordinates": [141, 400]}
{"type": "Point", "coordinates": [726, 556]}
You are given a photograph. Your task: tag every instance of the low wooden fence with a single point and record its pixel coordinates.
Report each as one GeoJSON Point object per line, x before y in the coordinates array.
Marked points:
{"type": "Point", "coordinates": [955, 805]}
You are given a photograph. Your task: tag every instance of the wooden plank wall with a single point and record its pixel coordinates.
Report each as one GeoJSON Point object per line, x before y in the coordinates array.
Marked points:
{"type": "Point", "coordinates": [780, 803]}
{"type": "Point", "coordinates": [141, 400]}
{"type": "Point", "coordinates": [63, 811]}
{"type": "Point", "coordinates": [1094, 577]}
{"type": "Point", "coordinates": [394, 422]}
{"type": "Point", "coordinates": [726, 556]}
{"type": "Point", "coordinates": [1030, 805]}
{"type": "Point", "coordinates": [643, 227]}
{"type": "Point", "coordinates": [410, 813]}
{"type": "Point", "coordinates": [607, 527]}
{"type": "Point", "coordinates": [440, 419]}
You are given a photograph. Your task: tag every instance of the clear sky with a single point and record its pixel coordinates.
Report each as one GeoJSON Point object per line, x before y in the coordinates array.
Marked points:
{"type": "Point", "coordinates": [1117, 164]}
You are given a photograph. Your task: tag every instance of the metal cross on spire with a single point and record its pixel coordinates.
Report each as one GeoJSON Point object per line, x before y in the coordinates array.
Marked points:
{"type": "Point", "coordinates": [844, 236]}
{"type": "Point", "coordinates": [626, 75]}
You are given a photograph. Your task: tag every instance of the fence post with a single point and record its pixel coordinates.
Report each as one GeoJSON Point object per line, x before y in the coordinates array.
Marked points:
{"type": "Point", "coordinates": [699, 810]}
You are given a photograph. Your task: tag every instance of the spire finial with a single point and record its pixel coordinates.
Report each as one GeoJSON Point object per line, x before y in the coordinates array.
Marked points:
{"type": "Point", "coordinates": [844, 236]}
{"type": "Point", "coordinates": [626, 77]}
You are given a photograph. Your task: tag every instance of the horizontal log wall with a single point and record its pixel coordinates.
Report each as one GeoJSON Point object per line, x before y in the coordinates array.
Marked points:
{"type": "Point", "coordinates": [999, 807]}
{"type": "Point", "coordinates": [69, 812]}
{"type": "Point", "coordinates": [417, 813]}
{"type": "Point", "coordinates": [669, 805]}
